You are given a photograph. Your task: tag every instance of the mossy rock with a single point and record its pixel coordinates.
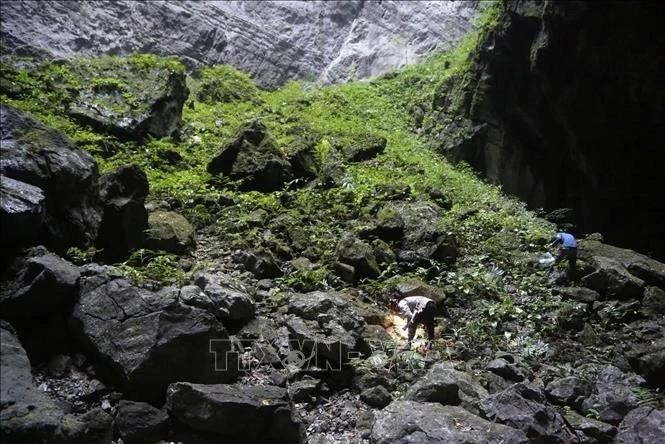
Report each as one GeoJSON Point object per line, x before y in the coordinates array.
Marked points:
{"type": "Point", "coordinates": [364, 148]}
{"type": "Point", "coordinates": [252, 157]}
{"type": "Point", "coordinates": [169, 231]}
{"type": "Point", "coordinates": [131, 98]}
{"type": "Point", "coordinates": [221, 84]}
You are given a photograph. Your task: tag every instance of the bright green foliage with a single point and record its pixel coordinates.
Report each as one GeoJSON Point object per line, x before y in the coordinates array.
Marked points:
{"type": "Point", "coordinates": [145, 266]}
{"type": "Point", "coordinates": [225, 83]}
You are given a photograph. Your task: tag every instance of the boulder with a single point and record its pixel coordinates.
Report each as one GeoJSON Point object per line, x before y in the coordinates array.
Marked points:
{"type": "Point", "coordinates": [389, 224]}
{"type": "Point", "coordinates": [169, 231]}
{"type": "Point", "coordinates": [125, 218]}
{"type": "Point", "coordinates": [524, 407]}
{"type": "Point", "coordinates": [359, 255]}
{"type": "Point", "coordinates": [415, 287]}
{"type": "Point", "coordinates": [643, 425]}
{"type": "Point", "coordinates": [505, 369]}
{"type": "Point", "coordinates": [252, 157]}
{"type": "Point", "coordinates": [643, 267]}
{"type": "Point", "coordinates": [324, 307]}
{"type": "Point", "coordinates": [595, 431]}
{"type": "Point", "coordinates": [27, 414]}
{"type": "Point", "coordinates": [611, 279]}
{"type": "Point", "coordinates": [143, 341]}
{"type": "Point", "coordinates": [570, 390]}
{"type": "Point", "coordinates": [46, 159]}
{"type": "Point", "coordinates": [139, 422]}
{"type": "Point", "coordinates": [653, 302]}
{"type": "Point", "coordinates": [377, 396]}
{"type": "Point", "coordinates": [447, 386]}
{"type": "Point", "coordinates": [648, 359]}
{"type": "Point", "coordinates": [424, 422]}
{"type": "Point", "coordinates": [579, 294]}
{"type": "Point", "coordinates": [21, 212]}
{"type": "Point", "coordinates": [261, 263]}
{"type": "Point", "coordinates": [323, 346]}
{"type": "Point", "coordinates": [253, 414]}
{"type": "Point", "coordinates": [612, 395]}
{"type": "Point", "coordinates": [304, 390]}
{"type": "Point", "coordinates": [364, 148]}
{"type": "Point", "coordinates": [222, 299]}
{"type": "Point", "coordinates": [444, 249]}
{"type": "Point", "coordinates": [36, 285]}
{"type": "Point", "coordinates": [302, 161]}
{"type": "Point", "coordinates": [130, 98]}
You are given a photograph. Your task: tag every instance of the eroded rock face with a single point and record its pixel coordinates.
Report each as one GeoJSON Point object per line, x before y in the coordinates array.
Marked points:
{"type": "Point", "coordinates": [559, 128]}
{"type": "Point", "coordinates": [437, 423]}
{"type": "Point", "coordinates": [255, 414]}
{"type": "Point", "coordinates": [146, 340]}
{"type": "Point", "coordinates": [67, 177]}
{"type": "Point", "coordinates": [274, 41]}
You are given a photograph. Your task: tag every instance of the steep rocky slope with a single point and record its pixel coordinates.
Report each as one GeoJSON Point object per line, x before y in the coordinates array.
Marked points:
{"type": "Point", "coordinates": [274, 41]}
{"type": "Point", "coordinates": [563, 109]}
{"type": "Point", "coordinates": [232, 283]}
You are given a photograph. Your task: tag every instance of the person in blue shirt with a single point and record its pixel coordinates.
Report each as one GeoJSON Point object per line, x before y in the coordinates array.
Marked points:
{"type": "Point", "coordinates": [568, 251]}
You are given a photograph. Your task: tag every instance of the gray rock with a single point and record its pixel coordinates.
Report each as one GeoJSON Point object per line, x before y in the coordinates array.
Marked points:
{"type": "Point", "coordinates": [21, 212]}
{"type": "Point", "coordinates": [140, 102]}
{"type": "Point", "coordinates": [169, 231]}
{"type": "Point", "coordinates": [648, 359]}
{"type": "Point", "coordinates": [304, 390]}
{"type": "Point", "coordinates": [613, 396]}
{"type": "Point", "coordinates": [418, 422]}
{"type": "Point", "coordinates": [44, 158]}
{"type": "Point", "coordinates": [447, 386]}
{"type": "Point", "coordinates": [138, 422]}
{"type": "Point", "coordinates": [389, 224]}
{"type": "Point", "coordinates": [595, 431]}
{"type": "Point", "coordinates": [570, 390]}
{"type": "Point", "coordinates": [361, 39]}
{"type": "Point", "coordinates": [255, 414]}
{"type": "Point", "coordinates": [365, 148]}
{"type": "Point", "coordinates": [612, 279]}
{"type": "Point", "coordinates": [524, 407]}
{"type": "Point", "coordinates": [37, 284]}
{"type": "Point", "coordinates": [125, 218]}
{"type": "Point", "coordinates": [644, 425]}
{"type": "Point", "coordinates": [505, 369]}
{"type": "Point", "coordinates": [579, 294]}
{"type": "Point", "coordinates": [252, 156]}
{"type": "Point", "coordinates": [653, 302]}
{"type": "Point", "coordinates": [377, 396]}
{"type": "Point", "coordinates": [229, 302]}
{"type": "Point", "coordinates": [359, 255]}
{"type": "Point", "coordinates": [144, 341]}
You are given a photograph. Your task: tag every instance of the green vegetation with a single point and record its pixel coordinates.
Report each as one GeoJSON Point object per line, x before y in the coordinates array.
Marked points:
{"type": "Point", "coordinates": [496, 234]}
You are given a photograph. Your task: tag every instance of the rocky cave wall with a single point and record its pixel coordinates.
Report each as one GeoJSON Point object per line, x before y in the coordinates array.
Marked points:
{"type": "Point", "coordinates": [564, 108]}
{"type": "Point", "coordinates": [274, 41]}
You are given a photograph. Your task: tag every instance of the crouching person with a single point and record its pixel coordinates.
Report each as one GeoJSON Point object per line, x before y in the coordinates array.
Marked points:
{"type": "Point", "coordinates": [416, 310]}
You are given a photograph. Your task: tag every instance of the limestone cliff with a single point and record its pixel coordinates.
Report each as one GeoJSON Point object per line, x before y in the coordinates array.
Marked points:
{"type": "Point", "coordinates": [273, 40]}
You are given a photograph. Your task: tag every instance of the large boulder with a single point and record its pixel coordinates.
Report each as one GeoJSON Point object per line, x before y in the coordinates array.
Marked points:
{"type": "Point", "coordinates": [169, 231]}
{"type": "Point", "coordinates": [648, 359]}
{"type": "Point", "coordinates": [251, 414]}
{"type": "Point", "coordinates": [27, 414]}
{"type": "Point", "coordinates": [67, 177]}
{"type": "Point", "coordinates": [424, 422]}
{"type": "Point", "coordinates": [326, 329]}
{"type": "Point", "coordinates": [222, 297]}
{"type": "Point", "coordinates": [139, 422]}
{"type": "Point", "coordinates": [21, 212]}
{"type": "Point", "coordinates": [611, 279]}
{"type": "Point", "coordinates": [144, 341]}
{"type": "Point", "coordinates": [594, 431]}
{"type": "Point", "coordinates": [643, 267]}
{"type": "Point", "coordinates": [131, 98]}
{"type": "Point", "coordinates": [125, 219]}
{"type": "Point", "coordinates": [613, 395]}
{"type": "Point", "coordinates": [37, 284]}
{"type": "Point", "coordinates": [447, 386]}
{"type": "Point", "coordinates": [570, 390]}
{"type": "Point", "coordinates": [524, 407]}
{"type": "Point", "coordinates": [644, 425]}
{"type": "Point", "coordinates": [359, 255]}
{"type": "Point", "coordinates": [252, 157]}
